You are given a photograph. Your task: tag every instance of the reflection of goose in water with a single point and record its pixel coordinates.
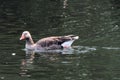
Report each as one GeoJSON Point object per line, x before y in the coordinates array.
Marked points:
{"type": "Point", "coordinates": [41, 60]}
{"type": "Point", "coordinates": [49, 43]}
{"type": "Point", "coordinates": [27, 63]}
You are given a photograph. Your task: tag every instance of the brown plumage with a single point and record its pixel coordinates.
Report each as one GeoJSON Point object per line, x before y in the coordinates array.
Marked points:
{"type": "Point", "coordinates": [55, 42]}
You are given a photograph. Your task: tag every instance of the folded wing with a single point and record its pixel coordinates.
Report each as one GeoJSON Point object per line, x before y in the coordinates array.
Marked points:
{"type": "Point", "coordinates": [57, 41]}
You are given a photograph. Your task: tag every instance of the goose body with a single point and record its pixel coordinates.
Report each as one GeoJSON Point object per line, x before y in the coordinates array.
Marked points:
{"type": "Point", "coordinates": [49, 43]}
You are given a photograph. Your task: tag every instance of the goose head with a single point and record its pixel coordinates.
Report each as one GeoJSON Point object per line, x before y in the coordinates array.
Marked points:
{"type": "Point", "coordinates": [25, 35]}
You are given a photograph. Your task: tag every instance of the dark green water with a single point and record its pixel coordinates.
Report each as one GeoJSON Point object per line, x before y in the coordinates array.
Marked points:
{"type": "Point", "coordinates": [95, 56]}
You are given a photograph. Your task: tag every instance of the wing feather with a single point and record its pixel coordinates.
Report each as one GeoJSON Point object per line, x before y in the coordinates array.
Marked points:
{"type": "Point", "coordinates": [49, 41]}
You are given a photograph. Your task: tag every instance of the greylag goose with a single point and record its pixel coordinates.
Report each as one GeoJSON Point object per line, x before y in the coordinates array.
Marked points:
{"type": "Point", "coordinates": [50, 43]}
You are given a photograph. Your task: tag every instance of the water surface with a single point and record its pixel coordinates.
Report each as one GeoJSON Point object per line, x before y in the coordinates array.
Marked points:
{"type": "Point", "coordinates": [95, 56]}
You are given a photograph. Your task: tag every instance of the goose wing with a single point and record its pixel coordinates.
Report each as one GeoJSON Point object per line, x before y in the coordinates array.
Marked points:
{"type": "Point", "coordinates": [57, 41]}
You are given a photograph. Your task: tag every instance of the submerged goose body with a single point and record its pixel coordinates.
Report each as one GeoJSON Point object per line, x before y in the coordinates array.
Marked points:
{"type": "Point", "coordinates": [49, 43]}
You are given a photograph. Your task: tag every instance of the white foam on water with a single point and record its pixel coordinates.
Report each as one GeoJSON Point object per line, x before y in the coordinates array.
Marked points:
{"type": "Point", "coordinates": [111, 48]}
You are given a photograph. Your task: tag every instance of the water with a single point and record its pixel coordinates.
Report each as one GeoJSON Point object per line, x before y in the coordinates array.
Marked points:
{"type": "Point", "coordinates": [95, 56]}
